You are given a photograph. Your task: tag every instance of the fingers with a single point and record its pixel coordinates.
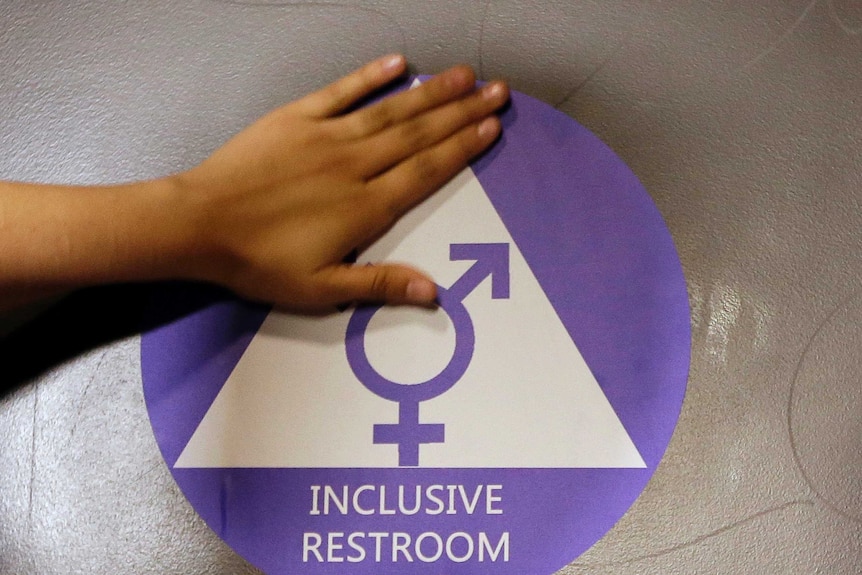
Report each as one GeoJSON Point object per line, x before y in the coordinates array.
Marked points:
{"type": "Point", "coordinates": [397, 143]}
{"type": "Point", "coordinates": [408, 183]}
{"type": "Point", "coordinates": [439, 90]}
{"type": "Point", "coordinates": [341, 94]}
{"type": "Point", "coordinates": [385, 283]}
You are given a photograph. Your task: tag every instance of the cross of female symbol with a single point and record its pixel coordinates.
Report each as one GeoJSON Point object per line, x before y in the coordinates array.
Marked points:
{"type": "Point", "coordinates": [408, 434]}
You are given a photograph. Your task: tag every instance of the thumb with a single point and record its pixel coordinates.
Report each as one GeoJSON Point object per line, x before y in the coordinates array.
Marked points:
{"type": "Point", "coordinates": [384, 283]}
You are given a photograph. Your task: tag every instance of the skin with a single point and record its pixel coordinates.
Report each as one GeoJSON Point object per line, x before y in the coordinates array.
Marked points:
{"type": "Point", "coordinates": [271, 214]}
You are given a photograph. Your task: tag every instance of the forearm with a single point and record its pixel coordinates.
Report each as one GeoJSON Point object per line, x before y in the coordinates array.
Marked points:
{"type": "Point", "coordinates": [58, 238]}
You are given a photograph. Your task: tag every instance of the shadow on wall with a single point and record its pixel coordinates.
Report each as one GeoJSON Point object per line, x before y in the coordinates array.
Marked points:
{"type": "Point", "coordinates": [94, 317]}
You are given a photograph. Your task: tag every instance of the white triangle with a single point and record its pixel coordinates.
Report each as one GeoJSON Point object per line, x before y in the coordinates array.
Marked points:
{"type": "Point", "coordinates": [527, 399]}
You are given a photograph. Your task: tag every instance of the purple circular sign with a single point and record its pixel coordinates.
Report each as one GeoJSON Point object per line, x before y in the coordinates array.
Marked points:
{"type": "Point", "coordinates": [567, 306]}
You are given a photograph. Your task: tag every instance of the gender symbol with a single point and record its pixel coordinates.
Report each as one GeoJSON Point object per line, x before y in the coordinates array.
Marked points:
{"type": "Point", "coordinates": [408, 434]}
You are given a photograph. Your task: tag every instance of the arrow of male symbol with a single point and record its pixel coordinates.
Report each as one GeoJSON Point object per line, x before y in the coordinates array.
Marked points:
{"type": "Point", "coordinates": [491, 259]}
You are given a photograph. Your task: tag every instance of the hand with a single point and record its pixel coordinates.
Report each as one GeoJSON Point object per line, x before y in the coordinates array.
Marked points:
{"type": "Point", "coordinates": [280, 205]}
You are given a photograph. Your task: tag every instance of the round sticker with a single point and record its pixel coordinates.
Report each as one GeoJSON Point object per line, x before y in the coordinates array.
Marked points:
{"type": "Point", "coordinates": [504, 432]}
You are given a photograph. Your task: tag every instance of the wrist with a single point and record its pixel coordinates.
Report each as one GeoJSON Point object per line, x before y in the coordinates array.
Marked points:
{"type": "Point", "coordinates": [174, 243]}
{"type": "Point", "coordinates": [199, 252]}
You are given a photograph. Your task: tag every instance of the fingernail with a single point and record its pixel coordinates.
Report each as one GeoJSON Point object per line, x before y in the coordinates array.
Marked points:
{"type": "Point", "coordinates": [421, 292]}
{"type": "Point", "coordinates": [492, 91]}
{"type": "Point", "coordinates": [392, 62]}
{"type": "Point", "coordinates": [489, 128]}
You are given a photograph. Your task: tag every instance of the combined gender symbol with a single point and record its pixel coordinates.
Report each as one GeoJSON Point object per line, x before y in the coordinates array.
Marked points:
{"type": "Point", "coordinates": [408, 434]}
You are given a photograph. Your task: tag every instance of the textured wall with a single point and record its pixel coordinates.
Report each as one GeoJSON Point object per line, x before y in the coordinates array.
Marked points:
{"type": "Point", "coordinates": [742, 119]}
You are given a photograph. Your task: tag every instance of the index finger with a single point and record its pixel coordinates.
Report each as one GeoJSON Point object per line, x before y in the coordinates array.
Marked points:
{"type": "Point", "coordinates": [453, 84]}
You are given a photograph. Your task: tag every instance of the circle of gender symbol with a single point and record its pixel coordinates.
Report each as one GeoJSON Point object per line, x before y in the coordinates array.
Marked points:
{"type": "Point", "coordinates": [408, 433]}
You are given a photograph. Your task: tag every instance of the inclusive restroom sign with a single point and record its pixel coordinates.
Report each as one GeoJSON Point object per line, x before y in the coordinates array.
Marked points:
{"type": "Point", "coordinates": [505, 432]}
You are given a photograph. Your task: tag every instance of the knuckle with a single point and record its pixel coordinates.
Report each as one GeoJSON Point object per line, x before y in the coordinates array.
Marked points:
{"type": "Point", "coordinates": [426, 167]}
{"type": "Point", "coordinates": [417, 135]}
{"type": "Point", "coordinates": [466, 144]}
{"type": "Point", "coordinates": [466, 112]}
{"type": "Point", "coordinates": [474, 108]}
{"type": "Point", "coordinates": [381, 283]}
{"type": "Point", "coordinates": [337, 94]}
{"type": "Point", "coordinates": [374, 119]}
{"type": "Point", "coordinates": [431, 96]}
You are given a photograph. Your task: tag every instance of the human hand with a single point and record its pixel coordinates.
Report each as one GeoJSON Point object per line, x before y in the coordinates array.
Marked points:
{"type": "Point", "coordinates": [282, 203]}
